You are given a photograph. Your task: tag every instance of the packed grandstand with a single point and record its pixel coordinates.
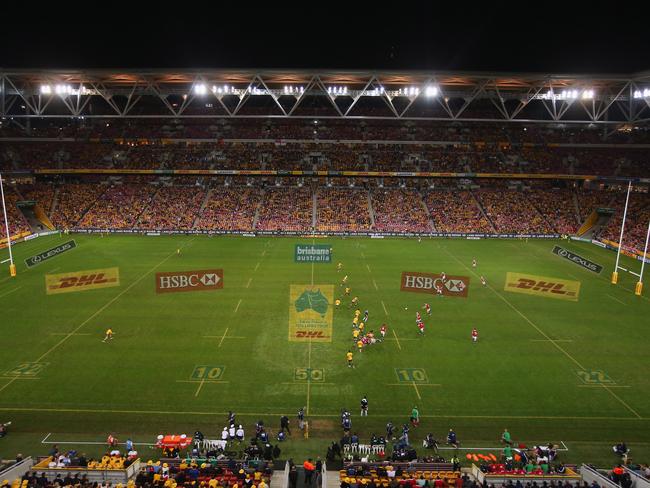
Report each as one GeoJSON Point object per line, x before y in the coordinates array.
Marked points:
{"type": "Point", "coordinates": [545, 188]}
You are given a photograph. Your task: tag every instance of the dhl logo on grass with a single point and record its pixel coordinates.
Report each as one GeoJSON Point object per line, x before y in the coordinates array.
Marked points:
{"type": "Point", "coordinates": [82, 280]}
{"type": "Point", "coordinates": [542, 286]}
{"type": "Point", "coordinates": [310, 313]}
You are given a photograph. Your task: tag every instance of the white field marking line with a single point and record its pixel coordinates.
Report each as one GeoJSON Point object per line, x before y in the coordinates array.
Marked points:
{"type": "Point", "coordinates": [66, 333]}
{"type": "Point", "coordinates": [264, 253]}
{"type": "Point", "coordinates": [11, 291]}
{"type": "Point", "coordinates": [621, 401]}
{"type": "Point", "coordinates": [385, 311]}
{"type": "Point", "coordinates": [219, 337]}
{"type": "Point", "coordinates": [368, 266]}
{"type": "Point", "coordinates": [333, 415]}
{"type": "Point", "coordinates": [614, 298]}
{"type": "Point", "coordinates": [500, 448]}
{"type": "Point", "coordinates": [309, 377]}
{"type": "Point", "coordinates": [256, 266]}
{"type": "Point", "coordinates": [397, 339]}
{"type": "Point", "coordinates": [249, 282]}
{"type": "Point", "coordinates": [19, 378]}
{"type": "Point", "coordinates": [375, 283]}
{"type": "Point", "coordinates": [237, 307]}
{"type": "Point", "coordinates": [55, 269]}
{"type": "Point", "coordinates": [199, 388]}
{"type": "Point", "coordinates": [556, 340]}
{"type": "Point", "coordinates": [302, 383]}
{"type": "Point", "coordinates": [46, 437]}
{"type": "Point", "coordinates": [416, 390]}
{"type": "Point", "coordinates": [104, 307]}
{"type": "Point", "coordinates": [600, 386]}
{"type": "Point", "coordinates": [408, 384]}
{"type": "Point", "coordinates": [402, 339]}
{"type": "Point", "coordinates": [202, 381]}
{"type": "Point", "coordinates": [8, 383]}
{"type": "Point", "coordinates": [363, 255]}
{"type": "Point", "coordinates": [575, 361]}
{"type": "Point", "coordinates": [222, 338]}
{"type": "Point", "coordinates": [91, 443]}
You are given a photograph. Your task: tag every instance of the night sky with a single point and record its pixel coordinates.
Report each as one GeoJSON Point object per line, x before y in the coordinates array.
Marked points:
{"type": "Point", "coordinates": [328, 35]}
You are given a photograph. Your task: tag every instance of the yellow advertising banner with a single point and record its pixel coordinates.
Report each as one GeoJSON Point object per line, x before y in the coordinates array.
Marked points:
{"type": "Point", "coordinates": [311, 313]}
{"type": "Point", "coordinates": [542, 286]}
{"type": "Point", "coordinates": [91, 279]}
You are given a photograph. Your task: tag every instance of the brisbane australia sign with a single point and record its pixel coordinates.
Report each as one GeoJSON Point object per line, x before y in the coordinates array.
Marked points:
{"type": "Point", "coordinates": [198, 280]}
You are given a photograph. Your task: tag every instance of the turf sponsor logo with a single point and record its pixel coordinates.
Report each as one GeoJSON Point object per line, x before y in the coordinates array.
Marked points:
{"type": "Point", "coordinates": [198, 280]}
{"type": "Point", "coordinates": [27, 369]}
{"type": "Point", "coordinates": [595, 377]}
{"type": "Point", "coordinates": [50, 253]}
{"type": "Point", "coordinates": [576, 259]}
{"type": "Point", "coordinates": [452, 286]}
{"type": "Point", "coordinates": [310, 313]}
{"type": "Point", "coordinates": [91, 279]}
{"type": "Point", "coordinates": [542, 286]}
{"type": "Point", "coordinates": [313, 253]}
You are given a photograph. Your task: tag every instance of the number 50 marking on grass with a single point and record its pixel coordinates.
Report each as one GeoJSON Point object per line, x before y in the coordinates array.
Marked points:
{"type": "Point", "coordinates": [207, 372]}
{"type": "Point", "coordinates": [313, 374]}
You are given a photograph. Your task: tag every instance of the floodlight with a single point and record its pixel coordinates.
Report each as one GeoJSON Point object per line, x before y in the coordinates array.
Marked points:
{"type": "Point", "coordinates": [46, 90]}
{"type": "Point", "coordinates": [431, 91]}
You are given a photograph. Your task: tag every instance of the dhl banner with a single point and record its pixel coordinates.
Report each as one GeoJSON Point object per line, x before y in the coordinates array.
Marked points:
{"type": "Point", "coordinates": [311, 313]}
{"type": "Point", "coordinates": [91, 279]}
{"type": "Point", "coordinates": [542, 286]}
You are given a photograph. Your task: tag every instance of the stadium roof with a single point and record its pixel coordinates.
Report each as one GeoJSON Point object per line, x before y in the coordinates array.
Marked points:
{"type": "Point", "coordinates": [408, 95]}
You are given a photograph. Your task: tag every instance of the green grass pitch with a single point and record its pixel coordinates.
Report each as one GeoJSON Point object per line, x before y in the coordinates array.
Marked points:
{"type": "Point", "coordinates": [548, 370]}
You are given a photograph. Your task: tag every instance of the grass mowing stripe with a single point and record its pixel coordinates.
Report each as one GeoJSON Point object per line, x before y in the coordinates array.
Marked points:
{"type": "Point", "coordinates": [575, 361]}
{"type": "Point", "coordinates": [11, 291]}
{"type": "Point", "coordinates": [616, 299]}
{"type": "Point", "coordinates": [507, 302]}
{"type": "Point", "coordinates": [113, 300]}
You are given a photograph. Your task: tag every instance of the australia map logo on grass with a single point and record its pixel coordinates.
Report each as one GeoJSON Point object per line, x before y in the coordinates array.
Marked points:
{"type": "Point", "coordinates": [312, 300]}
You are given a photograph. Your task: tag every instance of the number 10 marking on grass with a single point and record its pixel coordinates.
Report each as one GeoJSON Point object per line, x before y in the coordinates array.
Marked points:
{"type": "Point", "coordinates": [207, 372]}
{"type": "Point", "coordinates": [408, 375]}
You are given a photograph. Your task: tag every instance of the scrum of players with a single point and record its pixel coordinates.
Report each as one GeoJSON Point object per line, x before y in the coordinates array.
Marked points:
{"type": "Point", "coordinates": [363, 336]}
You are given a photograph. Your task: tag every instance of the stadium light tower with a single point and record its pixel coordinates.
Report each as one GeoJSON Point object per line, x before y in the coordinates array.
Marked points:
{"type": "Point", "coordinates": [12, 266]}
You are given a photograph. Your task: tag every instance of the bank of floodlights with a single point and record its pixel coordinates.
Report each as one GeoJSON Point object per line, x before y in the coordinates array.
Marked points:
{"type": "Point", "coordinates": [337, 90]}
{"type": "Point", "coordinates": [645, 93]}
{"type": "Point", "coordinates": [293, 90]}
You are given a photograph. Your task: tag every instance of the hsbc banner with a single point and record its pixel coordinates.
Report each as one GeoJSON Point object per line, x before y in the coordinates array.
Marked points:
{"type": "Point", "coordinates": [199, 280]}
{"type": "Point", "coordinates": [452, 286]}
